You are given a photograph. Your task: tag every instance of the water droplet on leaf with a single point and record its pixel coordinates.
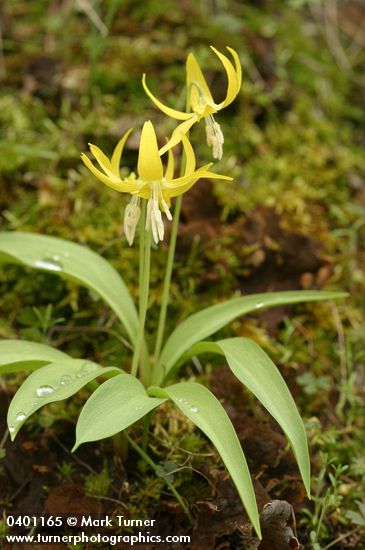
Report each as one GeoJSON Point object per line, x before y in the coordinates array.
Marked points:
{"type": "Point", "coordinates": [86, 369]}
{"type": "Point", "coordinates": [66, 379]}
{"type": "Point", "coordinates": [194, 409]}
{"type": "Point", "coordinates": [20, 416]}
{"type": "Point", "coordinates": [51, 264]}
{"type": "Point", "coordinates": [43, 391]}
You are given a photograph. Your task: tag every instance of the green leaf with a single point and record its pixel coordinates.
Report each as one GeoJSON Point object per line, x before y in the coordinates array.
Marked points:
{"type": "Point", "coordinates": [208, 321]}
{"type": "Point", "coordinates": [114, 406]}
{"type": "Point", "coordinates": [53, 382]}
{"type": "Point", "coordinates": [19, 355]}
{"type": "Point", "coordinates": [75, 262]}
{"type": "Point", "coordinates": [250, 364]}
{"type": "Point", "coordinates": [205, 411]}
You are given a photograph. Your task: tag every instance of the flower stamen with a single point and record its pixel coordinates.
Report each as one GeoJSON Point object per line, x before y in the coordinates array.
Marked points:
{"type": "Point", "coordinates": [131, 218]}
{"type": "Point", "coordinates": [154, 217]}
{"type": "Point", "coordinates": [166, 210]}
{"type": "Point", "coordinates": [215, 136]}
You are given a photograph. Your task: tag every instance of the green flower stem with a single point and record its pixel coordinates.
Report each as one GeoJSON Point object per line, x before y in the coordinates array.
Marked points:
{"type": "Point", "coordinates": [170, 260]}
{"type": "Point", "coordinates": [153, 465]}
{"type": "Point", "coordinates": [143, 302]}
{"type": "Point", "coordinates": [142, 238]}
{"type": "Point", "coordinates": [146, 428]}
{"type": "Point", "coordinates": [167, 279]}
{"type": "Point", "coordinates": [121, 445]}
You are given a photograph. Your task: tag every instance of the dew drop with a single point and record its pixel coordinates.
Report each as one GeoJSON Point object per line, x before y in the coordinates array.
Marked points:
{"type": "Point", "coordinates": [182, 401]}
{"type": "Point", "coordinates": [86, 369]}
{"type": "Point", "coordinates": [194, 409]}
{"type": "Point", "coordinates": [43, 391]}
{"type": "Point", "coordinates": [11, 429]}
{"type": "Point", "coordinates": [20, 416]}
{"type": "Point", "coordinates": [66, 379]}
{"type": "Point", "coordinates": [258, 305]}
{"type": "Point", "coordinates": [49, 263]}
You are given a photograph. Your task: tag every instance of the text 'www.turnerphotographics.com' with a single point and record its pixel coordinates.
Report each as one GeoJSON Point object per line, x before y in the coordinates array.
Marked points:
{"type": "Point", "coordinates": [102, 530]}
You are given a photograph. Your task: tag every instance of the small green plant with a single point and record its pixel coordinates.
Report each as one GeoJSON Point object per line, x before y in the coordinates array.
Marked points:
{"type": "Point", "coordinates": [38, 321]}
{"type": "Point", "coordinates": [2, 529]}
{"type": "Point", "coordinates": [98, 484]}
{"type": "Point", "coordinates": [122, 398]}
{"type": "Point", "coordinates": [357, 517]}
{"type": "Point", "coordinates": [326, 502]}
{"type": "Point", "coordinates": [65, 470]}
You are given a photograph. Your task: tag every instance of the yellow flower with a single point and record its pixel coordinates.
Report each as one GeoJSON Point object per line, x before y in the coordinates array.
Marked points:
{"type": "Point", "coordinates": [156, 185]}
{"type": "Point", "coordinates": [200, 101]}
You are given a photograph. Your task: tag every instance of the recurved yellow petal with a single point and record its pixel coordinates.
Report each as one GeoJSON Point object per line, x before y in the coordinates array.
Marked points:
{"type": "Point", "coordinates": [173, 113]}
{"type": "Point", "coordinates": [183, 186]}
{"type": "Point", "coordinates": [179, 184]}
{"type": "Point", "coordinates": [170, 168]}
{"type": "Point", "coordinates": [175, 192]}
{"type": "Point", "coordinates": [102, 159]}
{"type": "Point", "coordinates": [190, 161]}
{"type": "Point", "coordinates": [213, 175]}
{"type": "Point", "coordinates": [149, 161]}
{"type": "Point", "coordinates": [233, 79]}
{"type": "Point", "coordinates": [180, 130]}
{"type": "Point", "coordinates": [111, 181]}
{"type": "Point", "coordinates": [237, 63]}
{"type": "Point", "coordinates": [196, 83]}
{"type": "Point", "coordinates": [117, 154]}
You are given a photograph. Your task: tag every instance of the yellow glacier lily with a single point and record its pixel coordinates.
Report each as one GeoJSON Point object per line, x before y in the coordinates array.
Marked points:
{"type": "Point", "coordinates": [200, 101]}
{"type": "Point", "coordinates": [156, 185]}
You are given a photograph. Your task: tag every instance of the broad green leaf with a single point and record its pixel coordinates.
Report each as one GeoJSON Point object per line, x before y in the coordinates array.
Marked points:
{"type": "Point", "coordinates": [208, 321]}
{"type": "Point", "coordinates": [250, 364]}
{"type": "Point", "coordinates": [19, 355]}
{"type": "Point", "coordinates": [53, 382]}
{"type": "Point", "coordinates": [75, 262]}
{"type": "Point", "coordinates": [205, 411]}
{"type": "Point", "coordinates": [114, 406]}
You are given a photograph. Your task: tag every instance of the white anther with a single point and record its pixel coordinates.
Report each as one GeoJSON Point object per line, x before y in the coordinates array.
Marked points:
{"type": "Point", "coordinates": [166, 210]}
{"type": "Point", "coordinates": [131, 218]}
{"type": "Point", "coordinates": [215, 136]}
{"type": "Point", "coordinates": [159, 224]}
{"type": "Point", "coordinates": [154, 221]}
